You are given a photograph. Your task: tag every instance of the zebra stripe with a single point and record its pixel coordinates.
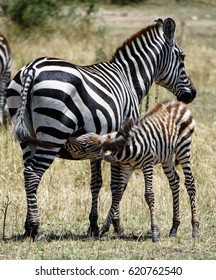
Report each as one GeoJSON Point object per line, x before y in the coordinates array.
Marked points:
{"type": "Point", "coordinates": [5, 74]}
{"type": "Point", "coordinates": [52, 101]}
{"type": "Point", "coordinates": [166, 130]}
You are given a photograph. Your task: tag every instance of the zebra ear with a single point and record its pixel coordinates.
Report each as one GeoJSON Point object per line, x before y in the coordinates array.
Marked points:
{"type": "Point", "coordinates": [158, 21]}
{"type": "Point", "coordinates": [169, 29]}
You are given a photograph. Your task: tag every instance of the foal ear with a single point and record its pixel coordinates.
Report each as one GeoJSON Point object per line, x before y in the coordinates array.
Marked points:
{"type": "Point", "coordinates": [169, 29]}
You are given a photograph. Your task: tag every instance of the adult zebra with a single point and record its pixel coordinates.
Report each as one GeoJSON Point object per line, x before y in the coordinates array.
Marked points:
{"type": "Point", "coordinates": [164, 131]}
{"type": "Point", "coordinates": [51, 101]}
{"type": "Point", "coordinates": [5, 74]}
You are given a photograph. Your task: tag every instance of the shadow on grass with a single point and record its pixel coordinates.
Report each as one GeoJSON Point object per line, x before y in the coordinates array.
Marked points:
{"type": "Point", "coordinates": [82, 237]}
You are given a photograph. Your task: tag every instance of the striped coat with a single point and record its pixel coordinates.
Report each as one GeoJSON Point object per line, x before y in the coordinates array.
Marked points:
{"type": "Point", "coordinates": [166, 130]}
{"type": "Point", "coordinates": [5, 74]}
{"type": "Point", "coordinates": [52, 101]}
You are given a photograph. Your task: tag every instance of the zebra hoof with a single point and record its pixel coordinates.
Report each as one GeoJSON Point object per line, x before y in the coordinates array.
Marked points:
{"type": "Point", "coordinates": [123, 235]}
{"type": "Point", "coordinates": [93, 232]}
{"type": "Point", "coordinates": [155, 239]}
{"type": "Point", "coordinates": [195, 233]}
{"type": "Point", "coordinates": [41, 238]}
{"type": "Point", "coordinates": [173, 232]}
{"type": "Point", "coordinates": [32, 232]}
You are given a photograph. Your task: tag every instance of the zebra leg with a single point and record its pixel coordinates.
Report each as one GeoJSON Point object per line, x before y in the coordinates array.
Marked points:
{"type": "Point", "coordinates": [32, 179]}
{"type": "Point", "coordinates": [2, 103]}
{"type": "Point", "coordinates": [4, 81]}
{"type": "Point", "coordinates": [37, 161]}
{"type": "Point", "coordinates": [117, 187]}
{"type": "Point", "coordinates": [149, 197]}
{"type": "Point", "coordinates": [2, 99]}
{"type": "Point", "coordinates": [96, 183]}
{"type": "Point", "coordinates": [173, 179]}
{"type": "Point", "coordinates": [115, 181]}
{"type": "Point", "coordinates": [191, 190]}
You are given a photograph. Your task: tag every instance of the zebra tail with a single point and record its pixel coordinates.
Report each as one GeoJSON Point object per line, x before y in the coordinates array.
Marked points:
{"type": "Point", "coordinates": [21, 132]}
{"type": "Point", "coordinates": [176, 162]}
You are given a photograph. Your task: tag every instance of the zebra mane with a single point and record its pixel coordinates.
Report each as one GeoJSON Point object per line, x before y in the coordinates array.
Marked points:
{"type": "Point", "coordinates": [138, 34]}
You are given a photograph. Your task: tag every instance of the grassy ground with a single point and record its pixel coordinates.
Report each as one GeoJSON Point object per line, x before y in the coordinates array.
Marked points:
{"type": "Point", "coordinates": [64, 195]}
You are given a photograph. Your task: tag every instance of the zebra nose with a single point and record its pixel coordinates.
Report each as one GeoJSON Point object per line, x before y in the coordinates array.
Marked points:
{"type": "Point", "coordinates": [187, 97]}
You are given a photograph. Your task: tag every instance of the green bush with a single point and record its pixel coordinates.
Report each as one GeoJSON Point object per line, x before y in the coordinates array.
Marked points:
{"type": "Point", "coordinates": [30, 13]}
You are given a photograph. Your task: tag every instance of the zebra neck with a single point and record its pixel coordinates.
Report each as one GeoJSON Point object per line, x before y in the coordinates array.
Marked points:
{"type": "Point", "coordinates": [139, 59]}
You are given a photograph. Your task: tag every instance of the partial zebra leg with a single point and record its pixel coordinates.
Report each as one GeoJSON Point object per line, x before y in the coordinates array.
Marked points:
{"type": "Point", "coordinates": [96, 183]}
{"type": "Point", "coordinates": [173, 179]}
{"type": "Point", "coordinates": [36, 160]}
{"type": "Point", "coordinates": [149, 197]}
{"type": "Point", "coordinates": [115, 181]}
{"type": "Point", "coordinates": [191, 190]}
{"type": "Point", "coordinates": [2, 100]}
{"type": "Point", "coordinates": [118, 184]}
{"type": "Point", "coordinates": [4, 81]}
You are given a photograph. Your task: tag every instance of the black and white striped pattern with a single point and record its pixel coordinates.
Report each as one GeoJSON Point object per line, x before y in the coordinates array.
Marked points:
{"type": "Point", "coordinates": [5, 74]}
{"type": "Point", "coordinates": [51, 100]}
{"type": "Point", "coordinates": [164, 131]}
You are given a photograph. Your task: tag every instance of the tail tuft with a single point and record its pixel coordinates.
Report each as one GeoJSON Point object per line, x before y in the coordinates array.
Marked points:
{"type": "Point", "coordinates": [21, 132]}
{"type": "Point", "coordinates": [176, 162]}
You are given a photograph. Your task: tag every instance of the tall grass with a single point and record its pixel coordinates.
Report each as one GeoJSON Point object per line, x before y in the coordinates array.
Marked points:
{"type": "Point", "coordinates": [64, 195]}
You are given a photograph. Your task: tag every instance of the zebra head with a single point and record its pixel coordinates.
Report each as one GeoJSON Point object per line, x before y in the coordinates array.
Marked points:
{"type": "Point", "coordinates": [172, 74]}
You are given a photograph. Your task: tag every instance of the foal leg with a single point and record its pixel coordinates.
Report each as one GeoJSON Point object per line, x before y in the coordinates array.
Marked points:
{"type": "Point", "coordinates": [116, 180]}
{"type": "Point", "coordinates": [149, 197]}
{"type": "Point", "coordinates": [96, 183]}
{"type": "Point", "coordinates": [191, 190]}
{"type": "Point", "coordinates": [173, 179]}
{"type": "Point", "coordinates": [117, 188]}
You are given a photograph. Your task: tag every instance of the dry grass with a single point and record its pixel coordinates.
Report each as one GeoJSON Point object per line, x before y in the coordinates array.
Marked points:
{"type": "Point", "coordinates": [64, 195]}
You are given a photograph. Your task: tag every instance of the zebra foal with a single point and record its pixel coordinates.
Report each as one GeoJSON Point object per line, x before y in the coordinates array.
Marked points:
{"type": "Point", "coordinates": [154, 138]}
{"type": "Point", "coordinates": [5, 74]}
{"type": "Point", "coordinates": [51, 101]}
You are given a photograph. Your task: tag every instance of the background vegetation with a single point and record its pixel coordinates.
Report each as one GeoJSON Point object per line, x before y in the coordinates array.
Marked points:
{"type": "Point", "coordinates": [87, 33]}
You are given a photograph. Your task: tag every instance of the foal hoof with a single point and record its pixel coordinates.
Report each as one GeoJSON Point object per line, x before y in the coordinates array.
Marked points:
{"type": "Point", "coordinates": [155, 239]}
{"type": "Point", "coordinates": [173, 232]}
{"type": "Point", "coordinates": [195, 233]}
